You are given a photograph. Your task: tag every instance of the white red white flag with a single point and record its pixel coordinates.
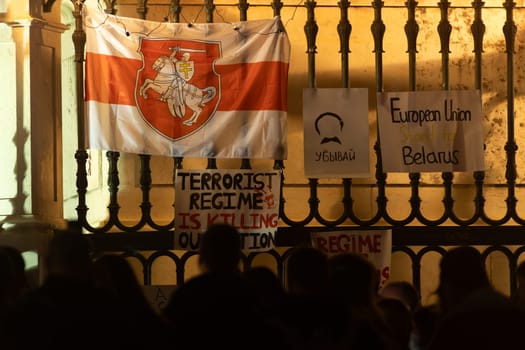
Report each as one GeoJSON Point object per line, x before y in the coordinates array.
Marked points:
{"type": "Point", "coordinates": [201, 90]}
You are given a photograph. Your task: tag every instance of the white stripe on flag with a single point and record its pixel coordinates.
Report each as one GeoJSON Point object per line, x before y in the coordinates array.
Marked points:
{"type": "Point", "coordinates": [116, 133]}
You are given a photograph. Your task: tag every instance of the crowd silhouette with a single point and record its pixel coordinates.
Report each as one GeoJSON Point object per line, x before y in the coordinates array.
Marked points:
{"type": "Point", "coordinates": [322, 303]}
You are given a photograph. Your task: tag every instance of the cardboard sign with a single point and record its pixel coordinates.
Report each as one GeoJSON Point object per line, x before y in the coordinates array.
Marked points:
{"type": "Point", "coordinates": [431, 131]}
{"type": "Point", "coordinates": [245, 199]}
{"type": "Point", "coordinates": [336, 136]}
{"type": "Point", "coordinates": [374, 245]}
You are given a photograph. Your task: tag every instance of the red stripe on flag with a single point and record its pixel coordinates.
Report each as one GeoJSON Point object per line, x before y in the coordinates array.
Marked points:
{"type": "Point", "coordinates": [253, 86]}
{"type": "Point", "coordinates": [111, 79]}
{"type": "Point", "coordinates": [248, 86]}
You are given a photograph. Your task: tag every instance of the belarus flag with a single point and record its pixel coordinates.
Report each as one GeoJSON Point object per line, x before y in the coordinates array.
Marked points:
{"type": "Point", "coordinates": [201, 90]}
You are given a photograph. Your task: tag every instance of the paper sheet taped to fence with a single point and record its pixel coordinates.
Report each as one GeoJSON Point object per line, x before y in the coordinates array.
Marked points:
{"type": "Point", "coordinates": [375, 245]}
{"type": "Point", "coordinates": [246, 199]}
{"type": "Point", "coordinates": [177, 90]}
{"type": "Point", "coordinates": [336, 137]}
{"type": "Point", "coordinates": [431, 131]}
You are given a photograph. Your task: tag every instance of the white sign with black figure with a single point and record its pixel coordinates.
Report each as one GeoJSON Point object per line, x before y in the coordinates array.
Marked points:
{"type": "Point", "coordinates": [336, 136]}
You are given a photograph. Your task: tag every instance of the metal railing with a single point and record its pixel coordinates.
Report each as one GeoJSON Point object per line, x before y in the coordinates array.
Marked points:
{"type": "Point", "coordinates": [450, 226]}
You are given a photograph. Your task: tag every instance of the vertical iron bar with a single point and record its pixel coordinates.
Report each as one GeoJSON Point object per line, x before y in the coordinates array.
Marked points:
{"type": "Point", "coordinates": [444, 30]}
{"type": "Point", "coordinates": [243, 9]}
{"type": "Point", "coordinates": [344, 29]}
{"type": "Point", "coordinates": [243, 16]}
{"type": "Point", "coordinates": [278, 164]}
{"type": "Point", "coordinates": [411, 31]}
{"type": "Point", "coordinates": [110, 7]}
{"type": "Point", "coordinates": [212, 163]}
{"type": "Point", "coordinates": [509, 29]}
{"type": "Point", "coordinates": [245, 163]}
{"type": "Point", "coordinates": [378, 32]}
{"type": "Point", "coordinates": [310, 29]}
{"type": "Point", "coordinates": [113, 184]}
{"type": "Point", "coordinates": [142, 9]}
{"type": "Point", "coordinates": [81, 156]}
{"type": "Point", "coordinates": [478, 31]}
{"type": "Point", "coordinates": [177, 164]}
{"type": "Point", "coordinates": [145, 186]}
{"type": "Point", "coordinates": [175, 10]}
{"type": "Point", "coordinates": [277, 5]}
{"type": "Point", "coordinates": [209, 7]}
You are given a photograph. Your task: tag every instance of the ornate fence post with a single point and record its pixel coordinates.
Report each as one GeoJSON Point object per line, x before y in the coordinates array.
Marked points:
{"type": "Point", "coordinates": [81, 156]}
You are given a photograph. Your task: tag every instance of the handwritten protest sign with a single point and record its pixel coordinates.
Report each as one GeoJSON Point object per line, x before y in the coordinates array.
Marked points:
{"type": "Point", "coordinates": [375, 245]}
{"type": "Point", "coordinates": [430, 131]}
{"type": "Point", "coordinates": [336, 137]}
{"type": "Point", "coordinates": [246, 199]}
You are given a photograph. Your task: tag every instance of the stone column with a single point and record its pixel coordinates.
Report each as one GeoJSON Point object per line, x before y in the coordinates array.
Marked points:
{"type": "Point", "coordinates": [31, 196]}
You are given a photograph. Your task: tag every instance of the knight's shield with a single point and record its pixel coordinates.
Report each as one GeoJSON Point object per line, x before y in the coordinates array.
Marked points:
{"type": "Point", "coordinates": [185, 69]}
{"type": "Point", "coordinates": [170, 69]}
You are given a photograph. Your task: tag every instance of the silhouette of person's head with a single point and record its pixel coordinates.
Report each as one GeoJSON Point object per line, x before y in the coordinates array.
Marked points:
{"type": "Point", "coordinates": [267, 288]}
{"type": "Point", "coordinates": [462, 271]}
{"type": "Point", "coordinates": [69, 255]}
{"type": "Point", "coordinates": [329, 125]}
{"type": "Point", "coordinates": [398, 320]}
{"type": "Point", "coordinates": [403, 291]}
{"type": "Point", "coordinates": [520, 280]}
{"type": "Point", "coordinates": [263, 279]}
{"type": "Point", "coordinates": [353, 284]}
{"type": "Point", "coordinates": [220, 249]}
{"type": "Point", "coordinates": [306, 271]}
{"type": "Point", "coordinates": [115, 273]}
{"type": "Point", "coordinates": [12, 273]}
{"type": "Point", "coordinates": [353, 278]}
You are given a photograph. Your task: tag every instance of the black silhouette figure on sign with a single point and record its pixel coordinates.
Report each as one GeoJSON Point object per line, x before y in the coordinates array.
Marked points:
{"type": "Point", "coordinates": [329, 125]}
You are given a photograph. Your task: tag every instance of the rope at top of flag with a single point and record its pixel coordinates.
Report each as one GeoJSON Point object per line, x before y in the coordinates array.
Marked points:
{"type": "Point", "coordinates": [147, 34]}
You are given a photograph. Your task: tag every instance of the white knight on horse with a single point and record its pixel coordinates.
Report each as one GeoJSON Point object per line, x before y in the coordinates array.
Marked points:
{"type": "Point", "coordinates": [172, 84]}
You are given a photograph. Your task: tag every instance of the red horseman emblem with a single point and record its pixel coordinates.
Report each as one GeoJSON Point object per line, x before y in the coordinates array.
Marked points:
{"type": "Point", "coordinates": [173, 92]}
